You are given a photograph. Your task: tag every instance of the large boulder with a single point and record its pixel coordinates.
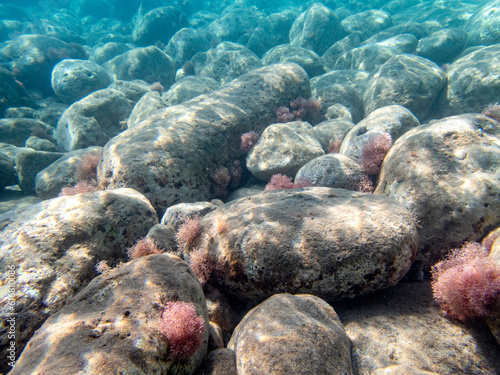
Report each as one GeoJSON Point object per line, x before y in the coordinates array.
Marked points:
{"type": "Point", "coordinates": [271, 31]}
{"type": "Point", "coordinates": [408, 80]}
{"type": "Point", "coordinates": [473, 82]}
{"type": "Point", "coordinates": [54, 246]}
{"type": "Point", "coordinates": [303, 336]}
{"type": "Point", "coordinates": [151, 157]}
{"type": "Point", "coordinates": [370, 56]}
{"type": "Point", "coordinates": [115, 323]}
{"type": "Point", "coordinates": [446, 174]}
{"type": "Point", "coordinates": [394, 120]}
{"type": "Point", "coordinates": [31, 58]}
{"type": "Point", "coordinates": [341, 86]}
{"type": "Point", "coordinates": [332, 243]}
{"type": "Point", "coordinates": [225, 62]}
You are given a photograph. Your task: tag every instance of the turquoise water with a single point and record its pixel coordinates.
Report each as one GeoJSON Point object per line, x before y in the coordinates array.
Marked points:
{"type": "Point", "coordinates": [164, 164]}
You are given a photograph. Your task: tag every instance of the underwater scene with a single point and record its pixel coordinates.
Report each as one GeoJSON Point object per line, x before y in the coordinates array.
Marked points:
{"type": "Point", "coordinates": [249, 187]}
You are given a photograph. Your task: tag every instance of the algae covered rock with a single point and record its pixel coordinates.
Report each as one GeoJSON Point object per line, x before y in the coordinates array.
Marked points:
{"type": "Point", "coordinates": [332, 243]}
{"type": "Point", "coordinates": [446, 174]}
{"type": "Point", "coordinates": [150, 158]}
{"type": "Point", "coordinates": [55, 244]}
{"type": "Point", "coordinates": [115, 323]}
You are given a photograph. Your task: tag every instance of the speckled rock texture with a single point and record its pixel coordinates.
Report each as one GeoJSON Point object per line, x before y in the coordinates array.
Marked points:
{"type": "Point", "coordinates": [283, 149]}
{"type": "Point", "coordinates": [341, 86]}
{"type": "Point", "coordinates": [74, 79]}
{"type": "Point", "coordinates": [403, 326]}
{"type": "Point", "coordinates": [16, 131]}
{"type": "Point", "coordinates": [367, 23]}
{"type": "Point", "coordinates": [332, 243]}
{"type": "Point", "coordinates": [188, 88]}
{"type": "Point", "coordinates": [33, 57]}
{"type": "Point", "coordinates": [446, 174]}
{"type": "Point", "coordinates": [442, 46]}
{"type": "Point", "coordinates": [147, 105]}
{"type": "Point", "coordinates": [157, 158]}
{"type": "Point", "coordinates": [473, 82]}
{"type": "Point", "coordinates": [371, 55]}
{"type": "Point", "coordinates": [28, 163]}
{"type": "Point", "coordinates": [285, 53]}
{"type": "Point", "coordinates": [408, 80]}
{"type": "Point", "coordinates": [113, 324]}
{"type": "Point", "coordinates": [55, 244]}
{"type": "Point", "coordinates": [333, 170]}
{"type": "Point", "coordinates": [93, 120]}
{"type": "Point", "coordinates": [271, 31]}
{"type": "Point", "coordinates": [291, 334]}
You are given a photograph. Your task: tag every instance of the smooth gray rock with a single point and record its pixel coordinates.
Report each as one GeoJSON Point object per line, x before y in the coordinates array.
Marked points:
{"type": "Point", "coordinates": [74, 79]}
{"type": "Point", "coordinates": [225, 62]}
{"type": "Point", "coordinates": [149, 64]}
{"type": "Point", "coordinates": [333, 170]}
{"type": "Point", "coordinates": [367, 23]}
{"type": "Point", "coordinates": [370, 56]}
{"type": "Point", "coordinates": [483, 27]}
{"type": "Point", "coordinates": [185, 43]}
{"type": "Point", "coordinates": [271, 31]}
{"type": "Point", "coordinates": [16, 131]}
{"type": "Point", "coordinates": [284, 53]}
{"type": "Point", "coordinates": [442, 46]}
{"type": "Point", "coordinates": [473, 82]}
{"type": "Point", "coordinates": [344, 87]}
{"type": "Point", "coordinates": [188, 88]}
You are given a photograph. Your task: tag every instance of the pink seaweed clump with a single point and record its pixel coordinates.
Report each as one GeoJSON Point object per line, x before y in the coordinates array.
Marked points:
{"type": "Point", "coordinates": [467, 283]}
{"type": "Point", "coordinates": [183, 328]}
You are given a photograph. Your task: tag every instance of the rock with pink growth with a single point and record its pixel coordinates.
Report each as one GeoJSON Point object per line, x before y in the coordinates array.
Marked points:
{"type": "Point", "coordinates": [54, 245]}
{"type": "Point", "coordinates": [332, 243]}
{"type": "Point", "coordinates": [168, 171]}
{"type": "Point", "coordinates": [446, 174]}
{"type": "Point", "coordinates": [394, 120]}
{"type": "Point", "coordinates": [146, 316]}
